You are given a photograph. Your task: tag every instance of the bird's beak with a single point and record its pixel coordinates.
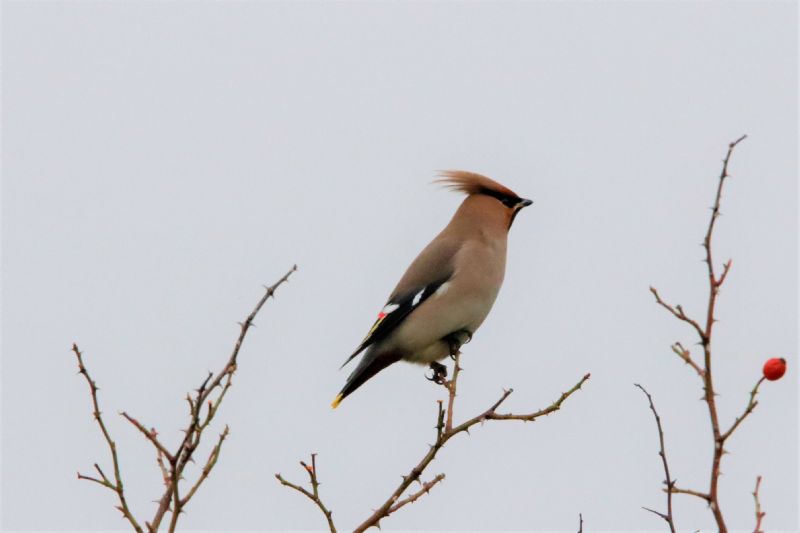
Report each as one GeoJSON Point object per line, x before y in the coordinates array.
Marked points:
{"type": "Point", "coordinates": [524, 202]}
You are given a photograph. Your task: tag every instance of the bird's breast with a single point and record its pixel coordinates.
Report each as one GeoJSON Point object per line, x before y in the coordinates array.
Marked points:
{"type": "Point", "coordinates": [461, 303]}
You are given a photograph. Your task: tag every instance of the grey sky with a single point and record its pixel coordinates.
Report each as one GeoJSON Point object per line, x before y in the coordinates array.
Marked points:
{"type": "Point", "coordinates": [163, 160]}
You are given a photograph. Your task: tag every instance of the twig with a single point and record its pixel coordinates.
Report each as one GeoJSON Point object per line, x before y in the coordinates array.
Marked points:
{"type": "Point", "coordinates": [689, 492]}
{"type": "Point", "coordinates": [210, 463]}
{"type": "Point", "coordinates": [163, 467]}
{"type": "Point", "coordinates": [580, 523]}
{"type": "Point", "coordinates": [117, 485]}
{"type": "Point", "coordinates": [759, 513]}
{"type": "Point", "coordinates": [668, 481]}
{"type": "Point", "coordinates": [314, 494]}
{"type": "Point", "coordinates": [426, 488]}
{"type": "Point", "coordinates": [677, 312]}
{"type": "Point", "coordinates": [684, 354]}
{"type": "Point", "coordinates": [751, 405]}
{"type": "Point", "coordinates": [151, 435]}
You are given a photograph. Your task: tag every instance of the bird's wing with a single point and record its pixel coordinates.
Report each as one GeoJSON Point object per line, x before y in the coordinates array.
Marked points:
{"type": "Point", "coordinates": [429, 271]}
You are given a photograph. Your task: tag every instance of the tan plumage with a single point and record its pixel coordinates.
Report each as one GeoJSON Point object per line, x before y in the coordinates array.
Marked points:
{"type": "Point", "coordinates": [449, 289]}
{"type": "Point", "coordinates": [470, 182]}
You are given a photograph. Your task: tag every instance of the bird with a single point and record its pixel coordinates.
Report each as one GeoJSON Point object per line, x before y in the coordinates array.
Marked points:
{"type": "Point", "coordinates": [448, 290]}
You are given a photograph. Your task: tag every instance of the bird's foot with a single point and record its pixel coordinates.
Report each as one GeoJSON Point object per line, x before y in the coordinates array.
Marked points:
{"type": "Point", "coordinates": [456, 340]}
{"type": "Point", "coordinates": [439, 373]}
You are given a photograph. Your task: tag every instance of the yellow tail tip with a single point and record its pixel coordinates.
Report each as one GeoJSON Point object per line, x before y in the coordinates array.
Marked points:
{"type": "Point", "coordinates": [336, 401]}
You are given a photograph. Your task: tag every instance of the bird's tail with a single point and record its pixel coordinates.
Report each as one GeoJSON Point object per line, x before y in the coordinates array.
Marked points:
{"type": "Point", "coordinates": [371, 363]}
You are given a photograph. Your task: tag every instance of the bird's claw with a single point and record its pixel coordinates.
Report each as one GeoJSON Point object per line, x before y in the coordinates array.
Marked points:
{"type": "Point", "coordinates": [456, 341]}
{"type": "Point", "coordinates": [439, 373]}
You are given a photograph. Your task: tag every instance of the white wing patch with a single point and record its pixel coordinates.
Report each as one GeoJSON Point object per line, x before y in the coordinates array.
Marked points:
{"type": "Point", "coordinates": [417, 298]}
{"type": "Point", "coordinates": [388, 308]}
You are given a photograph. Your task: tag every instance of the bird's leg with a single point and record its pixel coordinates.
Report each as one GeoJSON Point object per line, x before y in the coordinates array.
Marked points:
{"type": "Point", "coordinates": [456, 340]}
{"type": "Point", "coordinates": [439, 373]}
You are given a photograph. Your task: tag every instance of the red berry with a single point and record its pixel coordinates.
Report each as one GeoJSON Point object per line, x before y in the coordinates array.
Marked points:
{"type": "Point", "coordinates": [775, 368]}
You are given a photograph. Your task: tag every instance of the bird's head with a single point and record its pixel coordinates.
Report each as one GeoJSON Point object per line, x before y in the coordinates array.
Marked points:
{"type": "Point", "coordinates": [491, 195]}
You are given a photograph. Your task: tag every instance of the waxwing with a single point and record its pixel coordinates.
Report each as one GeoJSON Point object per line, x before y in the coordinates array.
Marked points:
{"type": "Point", "coordinates": [449, 289]}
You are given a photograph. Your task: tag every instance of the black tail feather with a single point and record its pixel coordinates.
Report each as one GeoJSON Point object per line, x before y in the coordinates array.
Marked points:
{"type": "Point", "coordinates": [369, 365]}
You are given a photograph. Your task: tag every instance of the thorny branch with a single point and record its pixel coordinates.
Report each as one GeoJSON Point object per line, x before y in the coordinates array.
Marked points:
{"type": "Point", "coordinates": [445, 430]}
{"type": "Point", "coordinates": [684, 354]}
{"type": "Point", "coordinates": [668, 481]}
{"type": "Point", "coordinates": [705, 332]}
{"type": "Point", "coordinates": [117, 485]}
{"type": "Point", "coordinates": [446, 433]}
{"type": "Point", "coordinates": [759, 513]}
{"type": "Point", "coordinates": [202, 409]}
{"type": "Point", "coordinates": [313, 495]}
{"type": "Point", "coordinates": [751, 405]}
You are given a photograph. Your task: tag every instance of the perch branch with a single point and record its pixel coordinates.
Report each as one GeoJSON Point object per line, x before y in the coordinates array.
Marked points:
{"type": "Point", "coordinates": [446, 433]}
{"type": "Point", "coordinates": [445, 430]}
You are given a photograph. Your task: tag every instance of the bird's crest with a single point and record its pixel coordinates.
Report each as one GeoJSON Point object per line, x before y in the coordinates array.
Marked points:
{"type": "Point", "coordinates": [472, 183]}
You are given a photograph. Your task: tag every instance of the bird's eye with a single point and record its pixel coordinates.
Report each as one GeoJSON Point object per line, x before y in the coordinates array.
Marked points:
{"type": "Point", "coordinates": [509, 202]}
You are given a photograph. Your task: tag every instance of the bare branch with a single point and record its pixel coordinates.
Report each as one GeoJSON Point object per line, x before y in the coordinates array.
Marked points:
{"type": "Point", "coordinates": [451, 393]}
{"type": "Point", "coordinates": [151, 434]}
{"type": "Point", "coordinates": [210, 462]}
{"type": "Point", "coordinates": [117, 486]}
{"type": "Point", "coordinates": [555, 406]}
{"type": "Point", "coordinates": [751, 405]}
{"type": "Point", "coordinates": [701, 495]}
{"type": "Point", "coordinates": [426, 488]}
{"type": "Point", "coordinates": [668, 481]}
{"type": "Point", "coordinates": [657, 513]}
{"type": "Point", "coordinates": [684, 354]}
{"type": "Point", "coordinates": [678, 313]}
{"type": "Point", "coordinates": [188, 445]}
{"type": "Point", "coordinates": [445, 434]}
{"type": "Point", "coordinates": [759, 513]}
{"type": "Point", "coordinates": [445, 430]}
{"type": "Point", "coordinates": [715, 283]}
{"type": "Point", "coordinates": [173, 464]}
{"type": "Point", "coordinates": [705, 335]}
{"type": "Point", "coordinates": [102, 482]}
{"type": "Point", "coordinates": [313, 495]}
{"type": "Point", "coordinates": [163, 467]}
